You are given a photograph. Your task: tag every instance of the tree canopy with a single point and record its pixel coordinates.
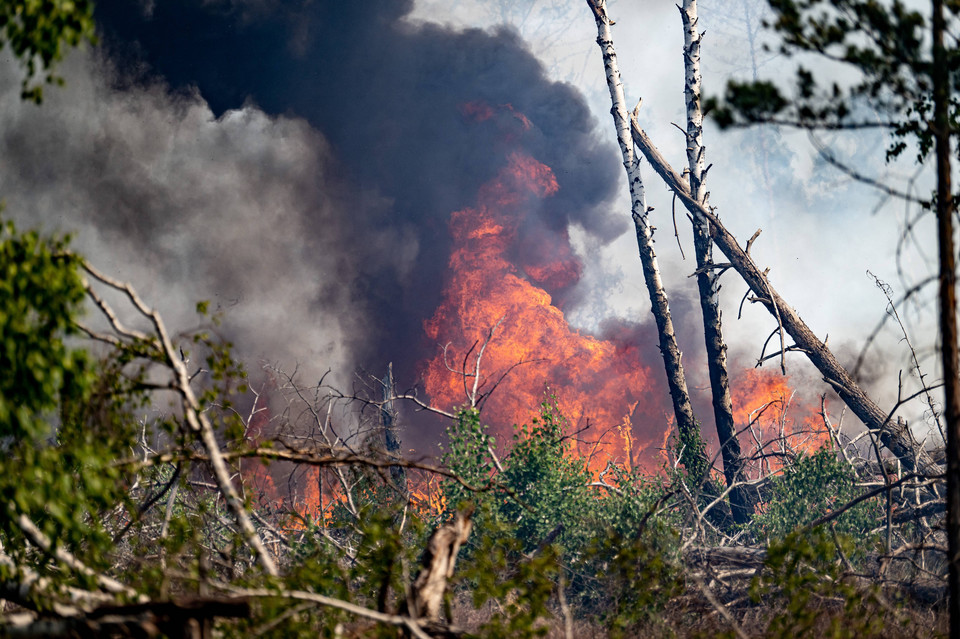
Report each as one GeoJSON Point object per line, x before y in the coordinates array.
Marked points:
{"type": "Point", "coordinates": [39, 32]}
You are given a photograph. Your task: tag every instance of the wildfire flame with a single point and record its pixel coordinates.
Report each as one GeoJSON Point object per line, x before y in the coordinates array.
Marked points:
{"type": "Point", "coordinates": [496, 302]}
{"type": "Point", "coordinates": [498, 321]}
{"type": "Point", "coordinates": [601, 386]}
{"type": "Point", "coordinates": [774, 423]}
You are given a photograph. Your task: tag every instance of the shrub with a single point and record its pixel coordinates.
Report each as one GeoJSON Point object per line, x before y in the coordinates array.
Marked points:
{"type": "Point", "coordinates": [810, 487]}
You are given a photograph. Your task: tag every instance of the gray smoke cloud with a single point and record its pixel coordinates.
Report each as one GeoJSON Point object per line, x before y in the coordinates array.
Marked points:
{"type": "Point", "coordinates": [244, 210]}
{"type": "Point", "coordinates": [418, 117]}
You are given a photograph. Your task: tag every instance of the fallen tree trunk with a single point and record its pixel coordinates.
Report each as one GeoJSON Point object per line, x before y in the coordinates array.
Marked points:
{"type": "Point", "coordinates": [894, 434]}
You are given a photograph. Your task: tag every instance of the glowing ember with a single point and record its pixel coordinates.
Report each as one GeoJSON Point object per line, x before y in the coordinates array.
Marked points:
{"type": "Point", "coordinates": [601, 386]}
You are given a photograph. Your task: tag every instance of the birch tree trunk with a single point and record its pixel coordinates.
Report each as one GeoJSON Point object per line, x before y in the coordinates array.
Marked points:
{"type": "Point", "coordinates": [707, 278]}
{"type": "Point", "coordinates": [682, 408]}
{"type": "Point", "coordinates": [894, 434]}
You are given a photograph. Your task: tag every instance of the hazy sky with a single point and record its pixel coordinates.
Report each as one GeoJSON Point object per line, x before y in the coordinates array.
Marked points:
{"type": "Point", "coordinates": [296, 163]}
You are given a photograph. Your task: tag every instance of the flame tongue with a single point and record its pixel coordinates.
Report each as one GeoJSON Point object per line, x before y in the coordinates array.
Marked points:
{"type": "Point", "coordinates": [597, 383]}
{"type": "Point", "coordinates": [775, 421]}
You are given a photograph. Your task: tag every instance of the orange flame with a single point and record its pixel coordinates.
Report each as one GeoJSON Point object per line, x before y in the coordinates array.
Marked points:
{"type": "Point", "coordinates": [773, 420]}
{"type": "Point", "coordinates": [600, 385]}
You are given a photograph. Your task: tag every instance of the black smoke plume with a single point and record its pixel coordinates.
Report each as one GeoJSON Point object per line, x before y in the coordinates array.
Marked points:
{"type": "Point", "coordinates": [388, 96]}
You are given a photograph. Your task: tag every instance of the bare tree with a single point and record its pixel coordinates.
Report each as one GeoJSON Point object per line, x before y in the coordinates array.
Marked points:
{"type": "Point", "coordinates": [687, 426]}
{"type": "Point", "coordinates": [708, 278]}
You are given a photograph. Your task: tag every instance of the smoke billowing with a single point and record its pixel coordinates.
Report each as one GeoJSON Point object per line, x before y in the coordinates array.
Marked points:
{"type": "Point", "coordinates": [188, 207]}
{"type": "Point", "coordinates": [297, 164]}
{"type": "Point", "coordinates": [389, 97]}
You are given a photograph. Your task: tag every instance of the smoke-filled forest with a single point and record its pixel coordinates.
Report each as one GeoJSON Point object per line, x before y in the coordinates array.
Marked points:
{"type": "Point", "coordinates": [407, 318]}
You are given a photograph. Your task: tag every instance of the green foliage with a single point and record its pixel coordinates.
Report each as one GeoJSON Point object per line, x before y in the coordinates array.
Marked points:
{"type": "Point", "coordinates": [541, 516]}
{"type": "Point", "coordinates": [61, 427]}
{"type": "Point", "coordinates": [520, 585]}
{"type": "Point", "coordinates": [640, 574]}
{"type": "Point", "coordinates": [803, 583]}
{"type": "Point", "coordinates": [70, 421]}
{"type": "Point", "coordinates": [38, 31]}
{"type": "Point", "coordinates": [502, 563]}
{"type": "Point", "coordinates": [751, 101]}
{"type": "Point", "coordinates": [543, 483]}
{"type": "Point", "coordinates": [550, 484]}
{"type": "Point", "coordinates": [40, 293]}
{"type": "Point", "coordinates": [885, 44]}
{"type": "Point", "coordinates": [691, 451]}
{"type": "Point", "coordinates": [810, 487]}
{"type": "Point", "coordinates": [468, 451]}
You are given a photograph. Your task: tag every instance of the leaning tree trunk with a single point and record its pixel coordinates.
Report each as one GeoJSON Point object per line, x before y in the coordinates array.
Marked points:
{"type": "Point", "coordinates": [692, 456]}
{"type": "Point", "coordinates": [707, 277]}
{"type": "Point", "coordinates": [948, 308]}
{"type": "Point", "coordinates": [894, 434]}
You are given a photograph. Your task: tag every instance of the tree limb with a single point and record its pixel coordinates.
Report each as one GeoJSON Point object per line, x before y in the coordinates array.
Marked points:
{"type": "Point", "coordinates": [896, 436]}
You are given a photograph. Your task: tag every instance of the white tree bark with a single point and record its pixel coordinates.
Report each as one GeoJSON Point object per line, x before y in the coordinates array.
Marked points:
{"type": "Point", "coordinates": [682, 408]}
{"type": "Point", "coordinates": [895, 434]}
{"type": "Point", "coordinates": [707, 278]}
{"type": "Point", "coordinates": [692, 79]}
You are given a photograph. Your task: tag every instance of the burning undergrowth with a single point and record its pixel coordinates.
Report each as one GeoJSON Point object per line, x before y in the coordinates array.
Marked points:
{"type": "Point", "coordinates": [415, 194]}
{"type": "Point", "coordinates": [501, 342]}
{"type": "Point", "coordinates": [504, 342]}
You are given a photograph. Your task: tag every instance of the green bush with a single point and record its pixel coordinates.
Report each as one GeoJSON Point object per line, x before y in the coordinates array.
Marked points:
{"type": "Point", "coordinates": [545, 510]}
{"type": "Point", "coordinates": [810, 487]}
{"type": "Point", "coordinates": [806, 594]}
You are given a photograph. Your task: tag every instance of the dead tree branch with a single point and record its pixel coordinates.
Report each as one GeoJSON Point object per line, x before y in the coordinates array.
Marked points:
{"type": "Point", "coordinates": [896, 436]}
